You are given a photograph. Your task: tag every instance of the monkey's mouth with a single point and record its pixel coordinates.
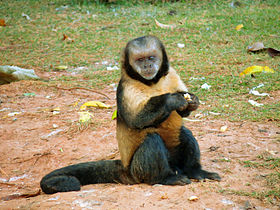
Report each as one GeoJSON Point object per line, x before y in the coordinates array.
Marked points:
{"type": "Point", "coordinates": [149, 75]}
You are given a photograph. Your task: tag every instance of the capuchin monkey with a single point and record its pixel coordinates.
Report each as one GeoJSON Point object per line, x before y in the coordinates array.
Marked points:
{"type": "Point", "coordinates": [154, 145]}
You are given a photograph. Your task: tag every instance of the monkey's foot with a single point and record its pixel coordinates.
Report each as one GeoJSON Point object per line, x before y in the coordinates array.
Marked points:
{"type": "Point", "coordinates": [202, 174]}
{"type": "Point", "coordinates": [177, 180]}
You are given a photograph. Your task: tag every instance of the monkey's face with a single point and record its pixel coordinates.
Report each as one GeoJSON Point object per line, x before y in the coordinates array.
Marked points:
{"type": "Point", "coordinates": [147, 66]}
{"type": "Point", "coordinates": [145, 57]}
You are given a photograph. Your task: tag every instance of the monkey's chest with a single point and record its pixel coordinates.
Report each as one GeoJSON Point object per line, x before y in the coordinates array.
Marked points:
{"type": "Point", "coordinates": [170, 129]}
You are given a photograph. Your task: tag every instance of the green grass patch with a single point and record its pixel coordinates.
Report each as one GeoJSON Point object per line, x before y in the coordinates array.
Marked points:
{"type": "Point", "coordinates": [213, 48]}
{"type": "Point", "coordinates": [264, 161]}
{"type": "Point", "coordinates": [271, 191]}
{"type": "Point", "coordinates": [271, 196]}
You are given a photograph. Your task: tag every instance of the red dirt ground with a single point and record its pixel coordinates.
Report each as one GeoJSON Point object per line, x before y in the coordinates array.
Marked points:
{"type": "Point", "coordinates": [27, 154]}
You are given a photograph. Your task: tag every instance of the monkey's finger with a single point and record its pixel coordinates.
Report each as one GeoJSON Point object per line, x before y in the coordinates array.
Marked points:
{"type": "Point", "coordinates": [182, 108]}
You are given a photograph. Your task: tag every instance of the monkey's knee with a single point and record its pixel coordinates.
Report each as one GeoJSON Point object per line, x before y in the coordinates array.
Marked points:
{"type": "Point", "coordinates": [150, 162]}
{"type": "Point", "coordinates": [61, 183]}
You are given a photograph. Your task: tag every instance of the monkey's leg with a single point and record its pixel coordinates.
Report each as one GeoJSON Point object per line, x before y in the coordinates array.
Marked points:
{"type": "Point", "coordinates": [150, 164]}
{"type": "Point", "coordinates": [70, 178]}
{"type": "Point", "coordinates": [186, 158]}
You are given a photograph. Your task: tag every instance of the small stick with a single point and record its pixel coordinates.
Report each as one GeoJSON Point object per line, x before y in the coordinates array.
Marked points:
{"type": "Point", "coordinates": [3, 172]}
{"type": "Point", "coordinates": [82, 88]}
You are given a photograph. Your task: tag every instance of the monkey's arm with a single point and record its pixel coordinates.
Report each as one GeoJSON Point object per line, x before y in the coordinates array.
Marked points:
{"type": "Point", "coordinates": [155, 111]}
{"type": "Point", "coordinates": [192, 105]}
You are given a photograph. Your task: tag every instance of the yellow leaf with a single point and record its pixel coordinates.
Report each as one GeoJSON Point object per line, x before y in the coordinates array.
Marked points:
{"type": "Point", "coordinates": [256, 69]}
{"type": "Point", "coordinates": [96, 104]}
{"type": "Point", "coordinates": [85, 117]}
{"type": "Point", "coordinates": [114, 115]}
{"type": "Point", "coordinates": [269, 70]}
{"type": "Point", "coordinates": [223, 128]}
{"type": "Point", "coordinates": [62, 67]}
{"type": "Point", "coordinates": [56, 109]}
{"type": "Point", "coordinates": [238, 27]}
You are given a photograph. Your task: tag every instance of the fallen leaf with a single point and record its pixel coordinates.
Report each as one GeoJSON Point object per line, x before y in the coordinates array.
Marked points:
{"type": "Point", "coordinates": [109, 68]}
{"type": "Point", "coordinates": [193, 198]}
{"type": "Point", "coordinates": [114, 115]}
{"type": "Point", "coordinates": [214, 113]}
{"type": "Point", "coordinates": [238, 27]}
{"type": "Point", "coordinates": [254, 103]}
{"type": "Point", "coordinates": [61, 67]}
{"type": "Point", "coordinates": [180, 45]}
{"type": "Point", "coordinates": [67, 38]}
{"type": "Point", "coordinates": [55, 126]}
{"type": "Point", "coordinates": [256, 47]}
{"type": "Point", "coordinates": [199, 116]}
{"type": "Point", "coordinates": [96, 104]}
{"type": "Point", "coordinates": [55, 110]}
{"type": "Point", "coordinates": [164, 25]}
{"type": "Point", "coordinates": [223, 128]}
{"type": "Point", "coordinates": [85, 117]}
{"type": "Point", "coordinates": [272, 52]}
{"type": "Point", "coordinates": [26, 16]}
{"type": "Point", "coordinates": [271, 152]}
{"type": "Point", "coordinates": [256, 69]}
{"type": "Point", "coordinates": [205, 86]}
{"type": "Point", "coordinates": [257, 93]}
{"type": "Point", "coordinates": [213, 148]}
{"type": "Point", "coordinates": [64, 37]}
{"type": "Point", "coordinates": [164, 196]}
{"type": "Point", "coordinates": [13, 114]}
{"type": "Point", "coordinates": [2, 22]}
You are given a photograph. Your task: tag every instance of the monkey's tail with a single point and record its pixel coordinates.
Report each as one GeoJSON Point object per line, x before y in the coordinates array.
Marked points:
{"type": "Point", "coordinates": [71, 178]}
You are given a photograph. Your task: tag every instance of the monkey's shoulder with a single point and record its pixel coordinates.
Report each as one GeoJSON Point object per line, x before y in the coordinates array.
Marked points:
{"type": "Point", "coordinates": [172, 82]}
{"type": "Point", "coordinates": [169, 83]}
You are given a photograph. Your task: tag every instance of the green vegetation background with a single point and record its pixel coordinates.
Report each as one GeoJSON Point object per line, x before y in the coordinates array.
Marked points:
{"type": "Point", "coordinates": [213, 50]}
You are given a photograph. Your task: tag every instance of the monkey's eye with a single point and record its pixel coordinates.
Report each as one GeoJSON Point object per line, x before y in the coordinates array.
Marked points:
{"type": "Point", "coordinates": [140, 59]}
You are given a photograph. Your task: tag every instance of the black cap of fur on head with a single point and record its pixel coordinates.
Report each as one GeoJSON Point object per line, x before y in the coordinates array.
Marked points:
{"type": "Point", "coordinates": [132, 73]}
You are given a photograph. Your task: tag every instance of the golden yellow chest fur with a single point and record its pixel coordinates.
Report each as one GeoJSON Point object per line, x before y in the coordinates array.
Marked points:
{"type": "Point", "coordinates": [135, 97]}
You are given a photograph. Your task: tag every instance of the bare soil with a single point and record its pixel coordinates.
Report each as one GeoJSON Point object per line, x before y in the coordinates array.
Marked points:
{"type": "Point", "coordinates": [27, 153]}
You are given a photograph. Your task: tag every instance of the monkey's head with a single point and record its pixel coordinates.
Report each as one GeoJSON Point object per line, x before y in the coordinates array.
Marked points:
{"type": "Point", "coordinates": [145, 59]}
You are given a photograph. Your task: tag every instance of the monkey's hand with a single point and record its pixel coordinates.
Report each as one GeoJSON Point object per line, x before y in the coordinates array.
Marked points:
{"type": "Point", "coordinates": [193, 103]}
{"type": "Point", "coordinates": [176, 101]}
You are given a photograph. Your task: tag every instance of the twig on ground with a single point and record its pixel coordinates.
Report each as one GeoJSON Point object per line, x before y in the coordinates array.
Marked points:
{"type": "Point", "coordinates": [82, 88]}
